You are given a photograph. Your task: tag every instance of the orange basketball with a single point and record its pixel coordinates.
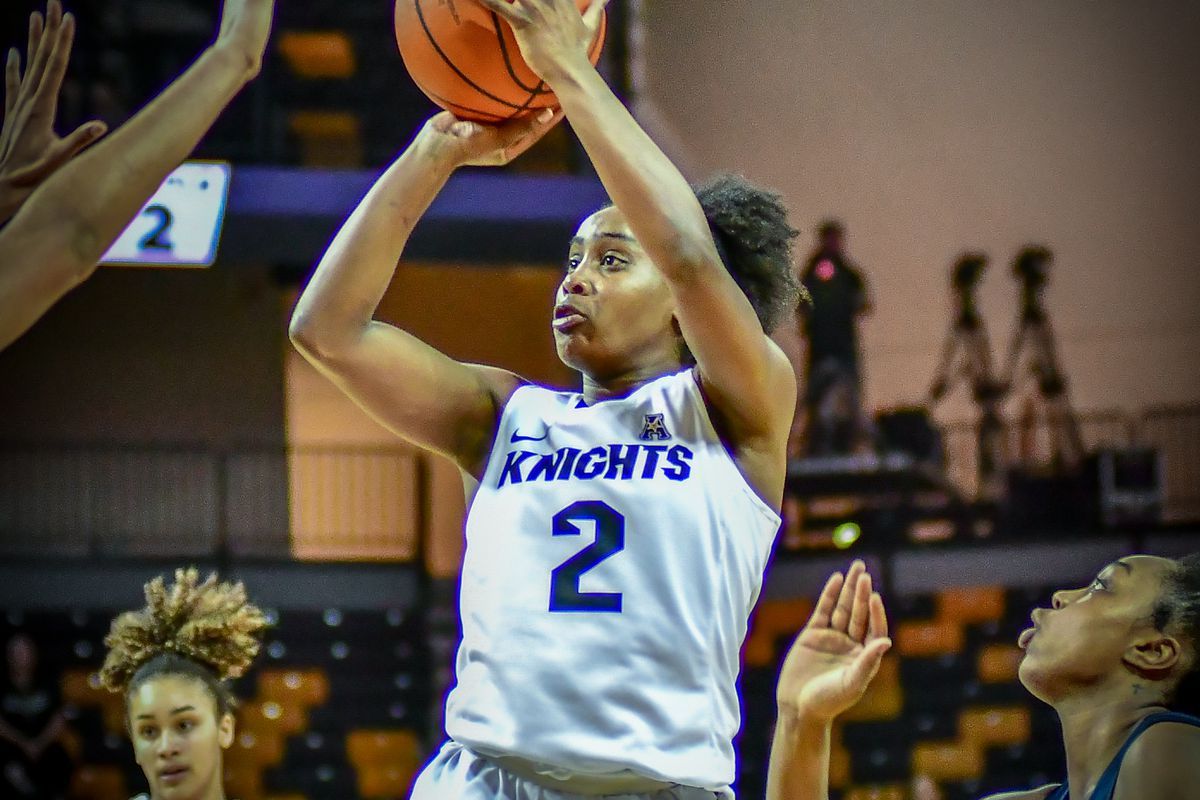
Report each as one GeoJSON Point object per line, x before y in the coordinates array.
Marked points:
{"type": "Point", "coordinates": [466, 59]}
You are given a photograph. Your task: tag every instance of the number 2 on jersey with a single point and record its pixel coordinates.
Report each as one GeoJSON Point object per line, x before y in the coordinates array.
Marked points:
{"type": "Point", "coordinates": [610, 538]}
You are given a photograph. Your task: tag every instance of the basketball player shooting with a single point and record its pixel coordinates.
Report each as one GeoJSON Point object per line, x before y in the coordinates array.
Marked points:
{"type": "Point", "coordinates": [616, 536]}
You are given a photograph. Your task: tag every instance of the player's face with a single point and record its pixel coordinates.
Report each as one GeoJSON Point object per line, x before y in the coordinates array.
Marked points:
{"type": "Point", "coordinates": [178, 739]}
{"type": "Point", "coordinates": [613, 310]}
{"type": "Point", "coordinates": [1090, 632]}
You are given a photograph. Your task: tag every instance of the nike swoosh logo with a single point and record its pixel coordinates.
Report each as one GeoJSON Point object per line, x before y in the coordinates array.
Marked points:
{"type": "Point", "coordinates": [516, 437]}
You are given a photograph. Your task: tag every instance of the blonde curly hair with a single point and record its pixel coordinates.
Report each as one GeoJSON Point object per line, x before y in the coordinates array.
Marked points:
{"type": "Point", "coordinates": [190, 624]}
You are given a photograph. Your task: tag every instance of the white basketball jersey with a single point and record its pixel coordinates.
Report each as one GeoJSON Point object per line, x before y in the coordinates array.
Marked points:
{"type": "Point", "coordinates": [614, 553]}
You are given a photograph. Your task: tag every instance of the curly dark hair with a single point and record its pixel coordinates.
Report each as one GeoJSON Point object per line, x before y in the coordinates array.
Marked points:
{"type": "Point", "coordinates": [750, 226]}
{"type": "Point", "coordinates": [1178, 610]}
{"type": "Point", "coordinates": [203, 630]}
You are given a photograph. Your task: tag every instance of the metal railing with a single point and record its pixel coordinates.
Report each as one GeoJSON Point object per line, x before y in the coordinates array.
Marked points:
{"type": "Point", "coordinates": [355, 503]}
{"type": "Point", "coordinates": [1173, 431]}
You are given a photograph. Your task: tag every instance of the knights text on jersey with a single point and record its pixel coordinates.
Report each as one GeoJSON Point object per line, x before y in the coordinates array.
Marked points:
{"type": "Point", "coordinates": [614, 553]}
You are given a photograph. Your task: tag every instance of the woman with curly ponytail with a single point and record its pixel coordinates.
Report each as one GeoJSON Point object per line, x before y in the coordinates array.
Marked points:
{"type": "Point", "coordinates": [172, 661]}
{"type": "Point", "coordinates": [616, 534]}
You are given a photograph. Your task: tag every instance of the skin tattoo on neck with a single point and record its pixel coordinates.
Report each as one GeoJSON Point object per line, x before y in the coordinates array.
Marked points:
{"type": "Point", "coordinates": [1137, 688]}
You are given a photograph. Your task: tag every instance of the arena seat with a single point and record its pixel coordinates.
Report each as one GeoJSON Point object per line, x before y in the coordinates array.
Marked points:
{"type": "Point", "coordinates": [999, 663]}
{"type": "Point", "coordinates": [971, 605]}
{"type": "Point", "coordinates": [883, 699]}
{"type": "Point", "coordinates": [98, 782]}
{"type": "Point", "coordinates": [928, 638]}
{"type": "Point", "coordinates": [772, 620]}
{"type": "Point", "coordinates": [995, 726]}
{"type": "Point", "coordinates": [304, 688]}
{"type": "Point", "coordinates": [947, 761]}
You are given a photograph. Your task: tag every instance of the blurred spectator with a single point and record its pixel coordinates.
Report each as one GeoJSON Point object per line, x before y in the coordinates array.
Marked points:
{"type": "Point", "coordinates": [33, 763]}
{"type": "Point", "coordinates": [833, 377]}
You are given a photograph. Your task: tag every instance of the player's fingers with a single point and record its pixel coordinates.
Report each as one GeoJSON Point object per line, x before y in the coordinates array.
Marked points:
{"type": "Point", "coordinates": [593, 14]}
{"type": "Point", "coordinates": [38, 60]}
{"type": "Point", "coordinates": [841, 614]}
{"type": "Point", "coordinates": [54, 13]}
{"type": "Point", "coordinates": [56, 66]}
{"type": "Point", "coordinates": [879, 621]}
{"type": "Point", "coordinates": [36, 26]}
{"type": "Point", "coordinates": [860, 611]}
{"type": "Point", "coordinates": [506, 10]}
{"type": "Point", "coordinates": [823, 613]}
{"type": "Point", "coordinates": [542, 123]}
{"type": "Point", "coordinates": [866, 664]}
{"type": "Point", "coordinates": [81, 138]}
{"type": "Point", "coordinates": [12, 80]}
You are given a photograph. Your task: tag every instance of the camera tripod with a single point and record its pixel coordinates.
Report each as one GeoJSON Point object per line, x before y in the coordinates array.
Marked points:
{"type": "Point", "coordinates": [967, 355]}
{"type": "Point", "coordinates": [1034, 354]}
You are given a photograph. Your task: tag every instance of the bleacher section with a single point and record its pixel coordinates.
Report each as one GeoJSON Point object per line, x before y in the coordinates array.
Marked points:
{"type": "Point", "coordinates": [341, 703]}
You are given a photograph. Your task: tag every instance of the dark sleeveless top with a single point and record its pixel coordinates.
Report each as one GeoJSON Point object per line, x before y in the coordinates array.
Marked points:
{"type": "Point", "coordinates": [1107, 784]}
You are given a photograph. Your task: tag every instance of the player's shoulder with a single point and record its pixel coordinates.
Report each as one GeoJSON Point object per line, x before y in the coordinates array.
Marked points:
{"type": "Point", "coordinates": [1040, 793]}
{"type": "Point", "coordinates": [1163, 756]}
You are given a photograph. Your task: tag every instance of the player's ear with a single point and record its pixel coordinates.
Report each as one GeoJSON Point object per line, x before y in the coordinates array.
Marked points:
{"type": "Point", "coordinates": [1153, 654]}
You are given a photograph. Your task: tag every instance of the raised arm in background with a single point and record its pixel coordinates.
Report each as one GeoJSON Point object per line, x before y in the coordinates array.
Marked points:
{"type": "Point", "coordinates": [67, 222]}
{"type": "Point", "coordinates": [827, 670]}
{"type": "Point", "coordinates": [412, 389]}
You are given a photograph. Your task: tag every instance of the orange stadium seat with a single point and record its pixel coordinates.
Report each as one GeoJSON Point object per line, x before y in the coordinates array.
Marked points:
{"type": "Point", "coordinates": [307, 688]}
{"type": "Point", "coordinates": [889, 792]}
{"type": "Point", "coordinates": [998, 663]}
{"type": "Point", "coordinates": [251, 747]}
{"type": "Point", "coordinates": [81, 687]}
{"type": "Point", "coordinates": [884, 698]}
{"type": "Point", "coordinates": [318, 54]}
{"type": "Point", "coordinates": [928, 638]}
{"type": "Point", "coordinates": [772, 620]}
{"type": "Point", "coordinates": [995, 726]}
{"type": "Point", "coordinates": [376, 783]}
{"type": "Point", "coordinates": [947, 761]}
{"type": "Point", "coordinates": [285, 718]}
{"type": "Point", "coordinates": [98, 783]}
{"type": "Point", "coordinates": [382, 748]}
{"type": "Point", "coordinates": [243, 781]}
{"type": "Point", "coordinates": [970, 605]}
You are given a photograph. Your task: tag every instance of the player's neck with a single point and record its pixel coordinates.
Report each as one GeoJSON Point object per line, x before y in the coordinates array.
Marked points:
{"type": "Point", "coordinates": [1095, 724]}
{"type": "Point", "coordinates": [613, 387]}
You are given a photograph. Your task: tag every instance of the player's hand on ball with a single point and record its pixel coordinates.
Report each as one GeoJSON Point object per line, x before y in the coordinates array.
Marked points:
{"type": "Point", "coordinates": [245, 29]}
{"type": "Point", "coordinates": [29, 149]}
{"type": "Point", "coordinates": [475, 144]}
{"type": "Point", "coordinates": [835, 656]}
{"type": "Point", "coordinates": [552, 34]}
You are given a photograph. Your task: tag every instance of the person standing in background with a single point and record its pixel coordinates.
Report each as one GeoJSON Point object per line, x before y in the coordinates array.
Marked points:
{"type": "Point", "coordinates": [832, 373]}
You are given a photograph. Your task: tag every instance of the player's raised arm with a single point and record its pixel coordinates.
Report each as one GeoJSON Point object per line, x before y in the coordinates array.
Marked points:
{"type": "Point", "coordinates": [414, 390]}
{"type": "Point", "coordinates": [745, 375]}
{"type": "Point", "coordinates": [827, 670]}
{"type": "Point", "coordinates": [58, 235]}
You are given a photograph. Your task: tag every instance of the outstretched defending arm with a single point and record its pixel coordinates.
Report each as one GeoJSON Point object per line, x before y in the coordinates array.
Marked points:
{"type": "Point", "coordinates": [827, 670]}
{"type": "Point", "coordinates": [55, 239]}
